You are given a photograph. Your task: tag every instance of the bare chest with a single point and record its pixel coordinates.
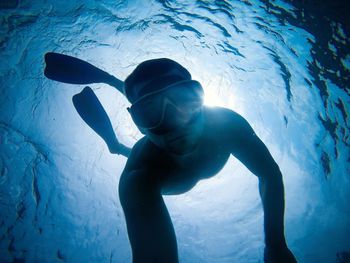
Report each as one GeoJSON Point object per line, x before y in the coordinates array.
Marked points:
{"type": "Point", "coordinates": [184, 173]}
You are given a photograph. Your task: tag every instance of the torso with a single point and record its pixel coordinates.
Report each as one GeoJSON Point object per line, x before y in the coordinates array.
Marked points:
{"type": "Point", "coordinates": [179, 174]}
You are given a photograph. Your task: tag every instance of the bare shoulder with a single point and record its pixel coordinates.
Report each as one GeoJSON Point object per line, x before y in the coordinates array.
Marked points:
{"type": "Point", "coordinates": [229, 128]}
{"type": "Point", "coordinates": [226, 118]}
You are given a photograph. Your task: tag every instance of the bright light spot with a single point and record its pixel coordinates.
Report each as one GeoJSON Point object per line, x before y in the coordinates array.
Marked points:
{"type": "Point", "coordinates": [211, 98]}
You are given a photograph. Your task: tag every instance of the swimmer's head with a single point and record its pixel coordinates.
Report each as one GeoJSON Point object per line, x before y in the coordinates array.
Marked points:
{"type": "Point", "coordinates": [166, 104]}
{"type": "Point", "coordinates": [152, 75]}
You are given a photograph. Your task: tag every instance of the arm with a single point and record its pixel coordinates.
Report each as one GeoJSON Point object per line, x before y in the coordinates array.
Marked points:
{"type": "Point", "coordinates": [252, 152]}
{"type": "Point", "coordinates": [92, 112]}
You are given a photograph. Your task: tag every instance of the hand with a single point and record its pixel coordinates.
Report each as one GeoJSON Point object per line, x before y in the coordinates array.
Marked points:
{"type": "Point", "coordinates": [278, 255]}
{"type": "Point", "coordinates": [119, 148]}
{"type": "Point", "coordinates": [114, 147]}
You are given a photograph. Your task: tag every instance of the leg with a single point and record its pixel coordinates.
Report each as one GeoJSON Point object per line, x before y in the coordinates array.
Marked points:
{"type": "Point", "coordinates": [150, 229]}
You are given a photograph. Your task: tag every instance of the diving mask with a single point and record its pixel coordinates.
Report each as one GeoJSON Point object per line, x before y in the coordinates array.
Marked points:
{"type": "Point", "coordinates": [169, 107]}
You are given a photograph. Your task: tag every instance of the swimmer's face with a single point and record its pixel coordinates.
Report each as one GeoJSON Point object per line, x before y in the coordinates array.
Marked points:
{"type": "Point", "coordinates": [171, 117]}
{"type": "Point", "coordinates": [180, 140]}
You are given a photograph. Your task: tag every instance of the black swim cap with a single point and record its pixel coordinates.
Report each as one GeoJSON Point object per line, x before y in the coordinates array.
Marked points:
{"type": "Point", "coordinates": [152, 75]}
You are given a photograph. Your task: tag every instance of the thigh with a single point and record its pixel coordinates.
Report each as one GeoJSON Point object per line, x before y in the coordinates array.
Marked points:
{"type": "Point", "coordinates": [149, 226]}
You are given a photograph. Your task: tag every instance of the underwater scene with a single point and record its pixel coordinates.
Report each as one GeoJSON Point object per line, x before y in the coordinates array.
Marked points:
{"type": "Point", "coordinates": [282, 65]}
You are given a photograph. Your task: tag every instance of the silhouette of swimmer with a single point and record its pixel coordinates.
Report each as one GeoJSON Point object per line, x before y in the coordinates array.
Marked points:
{"type": "Point", "coordinates": [186, 142]}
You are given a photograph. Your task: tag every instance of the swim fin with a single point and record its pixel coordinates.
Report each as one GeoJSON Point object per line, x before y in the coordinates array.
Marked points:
{"type": "Point", "coordinates": [72, 70]}
{"type": "Point", "coordinates": [92, 112]}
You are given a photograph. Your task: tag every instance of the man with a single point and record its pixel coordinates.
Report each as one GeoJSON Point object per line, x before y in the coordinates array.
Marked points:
{"type": "Point", "coordinates": [185, 142]}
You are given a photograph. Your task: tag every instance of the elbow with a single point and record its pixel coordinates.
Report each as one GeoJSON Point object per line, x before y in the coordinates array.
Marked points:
{"type": "Point", "coordinates": [271, 172]}
{"type": "Point", "coordinates": [271, 182]}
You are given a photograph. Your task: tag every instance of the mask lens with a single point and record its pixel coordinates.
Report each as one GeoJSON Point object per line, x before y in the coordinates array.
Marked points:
{"type": "Point", "coordinates": [147, 113]}
{"type": "Point", "coordinates": [173, 119]}
{"type": "Point", "coordinates": [168, 107]}
{"type": "Point", "coordinates": [186, 98]}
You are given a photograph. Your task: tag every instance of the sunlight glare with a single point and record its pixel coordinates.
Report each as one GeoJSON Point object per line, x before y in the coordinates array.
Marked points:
{"type": "Point", "coordinates": [211, 99]}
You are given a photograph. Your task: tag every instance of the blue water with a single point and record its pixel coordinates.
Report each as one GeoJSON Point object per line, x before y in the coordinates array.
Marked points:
{"type": "Point", "coordinates": [284, 67]}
